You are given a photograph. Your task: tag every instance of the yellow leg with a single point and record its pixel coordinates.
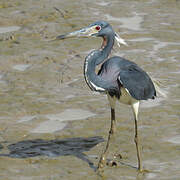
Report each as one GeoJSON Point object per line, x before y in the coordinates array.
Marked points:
{"type": "Point", "coordinates": [138, 148]}
{"type": "Point", "coordinates": [135, 107]}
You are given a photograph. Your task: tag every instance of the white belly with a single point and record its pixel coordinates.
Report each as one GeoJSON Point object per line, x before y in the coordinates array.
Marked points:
{"type": "Point", "coordinates": [125, 97]}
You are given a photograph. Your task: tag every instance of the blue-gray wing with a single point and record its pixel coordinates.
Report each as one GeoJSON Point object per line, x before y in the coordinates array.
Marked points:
{"type": "Point", "coordinates": [137, 82]}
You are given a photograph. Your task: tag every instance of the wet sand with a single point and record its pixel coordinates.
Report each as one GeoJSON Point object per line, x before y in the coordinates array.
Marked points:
{"type": "Point", "coordinates": [51, 125]}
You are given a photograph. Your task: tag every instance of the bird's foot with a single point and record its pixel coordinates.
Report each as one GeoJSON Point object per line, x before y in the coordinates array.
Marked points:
{"type": "Point", "coordinates": [102, 162]}
{"type": "Point", "coordinates": [111, 163]}
{"type": "Point", "coordinates": [141, 170]}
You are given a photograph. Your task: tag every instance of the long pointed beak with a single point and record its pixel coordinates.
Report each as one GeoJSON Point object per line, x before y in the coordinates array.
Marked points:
{"type": "Point", "coordinates": [85, 32]}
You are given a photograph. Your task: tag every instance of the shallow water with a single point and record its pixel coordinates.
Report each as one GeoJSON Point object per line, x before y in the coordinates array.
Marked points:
{"type": "Point", "coordinates": [9, 29]}
{"type": "Point", "coordinates": [51, 125]}
{"type": "Point", "coordinates": [58, 122]}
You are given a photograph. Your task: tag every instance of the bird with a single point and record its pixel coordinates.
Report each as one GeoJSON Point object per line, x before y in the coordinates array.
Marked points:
{"type": "Point", "coordinates": [120, 79]}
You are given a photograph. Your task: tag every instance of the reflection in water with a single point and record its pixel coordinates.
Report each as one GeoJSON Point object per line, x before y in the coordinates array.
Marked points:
{"type": "Point", "coordinates": [133, 23]}
{"type": "Point", "coordinates": [21, 67]}
{"type": "Point", "coordinates": [175, 139]}
{"type": "Point", "coordinates": [58, 121]}
{"type": "Point", "coordinates": [54, 148]}
{"type": "Point", "coordinates": [9, 29]}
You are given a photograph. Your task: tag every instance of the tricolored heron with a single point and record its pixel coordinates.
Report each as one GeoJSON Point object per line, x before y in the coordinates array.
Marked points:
{"type": "Point", "coordinates": [121, 79]}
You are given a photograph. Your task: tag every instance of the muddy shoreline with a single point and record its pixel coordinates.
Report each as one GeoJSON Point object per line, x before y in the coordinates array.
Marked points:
{"type": "Point", "coordinates": [44, 100]}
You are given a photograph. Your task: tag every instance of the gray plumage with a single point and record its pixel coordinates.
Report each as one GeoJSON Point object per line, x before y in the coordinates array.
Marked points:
{"type": "Point", "coordinates": [124, 73]}
{"type": "Point", "coordinates": [119, 78]}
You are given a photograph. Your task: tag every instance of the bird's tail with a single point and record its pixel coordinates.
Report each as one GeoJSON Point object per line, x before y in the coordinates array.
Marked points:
{"type": "Point", "coordinates": [159, 88]}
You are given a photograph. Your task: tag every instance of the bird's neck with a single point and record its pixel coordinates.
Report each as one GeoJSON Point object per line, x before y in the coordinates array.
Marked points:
{"type": "Point", "coordinates": [95, 58]}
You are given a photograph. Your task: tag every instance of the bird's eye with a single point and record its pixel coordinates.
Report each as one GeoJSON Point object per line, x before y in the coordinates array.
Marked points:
{"type": "Point", "coordinates": [98, 28]}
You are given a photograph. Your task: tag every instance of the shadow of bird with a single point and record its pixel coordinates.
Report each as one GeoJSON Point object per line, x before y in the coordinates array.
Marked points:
{"type": "Point", "coordinates": [53, 148]}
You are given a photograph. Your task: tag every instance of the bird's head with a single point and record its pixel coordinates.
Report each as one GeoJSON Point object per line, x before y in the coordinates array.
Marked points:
{"type": "Point", "coordinates": [97, 29]}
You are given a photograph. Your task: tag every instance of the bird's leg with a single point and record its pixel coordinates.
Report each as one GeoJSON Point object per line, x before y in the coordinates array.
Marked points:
{"type": "Point", "coordinates": [138, 148]}
{"type": "Point", "coordinates": [136, 138]}
{"type": "Point", "coordinates": [102, 160]}
{"type": "Point", "coordinates": [113, 122]}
